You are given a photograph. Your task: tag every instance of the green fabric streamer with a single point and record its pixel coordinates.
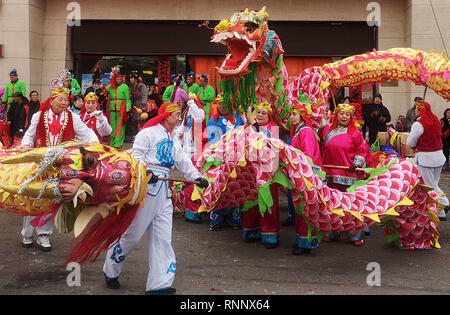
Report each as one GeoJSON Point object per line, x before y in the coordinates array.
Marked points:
{"type": "Point", "coordinates": [304, 99]}
{"type": "Point", "coordinates": [393, 239]}
{"type": "Point", "coordinates": [373, 173]}
{"type": "Point", "coordinates": [316, 169]}
{"type": "Point", "coordinates": [210, 161]}
{"type": "Point", "coordinates": [281, 179]}
{"type": "Point", "coordinates": [265, 200]}
{"type": "Point", "coordinates": [249, 204]}
{"type": "Point", "coordinates": [299, 211]}
{"type": "Point", "coordinates": [242, 90]}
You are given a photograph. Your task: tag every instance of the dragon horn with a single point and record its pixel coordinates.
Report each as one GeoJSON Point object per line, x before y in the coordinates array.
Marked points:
{"type": "Point", "coordinates": [33, 190]}
{"type": "Point", "coordinates": [34, 155]}
{"type": "Point", "coordinates": [263, 16]}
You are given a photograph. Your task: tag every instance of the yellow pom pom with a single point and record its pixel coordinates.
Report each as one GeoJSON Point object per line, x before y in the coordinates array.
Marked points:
{"type": "Point", "coordinates": [144, 116]}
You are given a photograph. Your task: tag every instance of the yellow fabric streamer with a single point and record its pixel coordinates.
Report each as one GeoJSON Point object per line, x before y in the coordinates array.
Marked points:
{"type": "Point", "coordinates": [373, 217]}
{"type": "Point", "coordinates": [356, 214]}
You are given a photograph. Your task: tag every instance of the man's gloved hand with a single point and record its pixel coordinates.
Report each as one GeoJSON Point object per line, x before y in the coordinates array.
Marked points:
{"type": "Point", "coordinates": [153, 179]}
{"type": "Point", "coordinates": [99, 115]}
{"type": "Point", "coordinates": [203, 182]}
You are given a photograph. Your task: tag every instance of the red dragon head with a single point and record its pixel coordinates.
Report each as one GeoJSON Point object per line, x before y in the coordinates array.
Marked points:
{"type": "Point", "coordinates": [248, 39]}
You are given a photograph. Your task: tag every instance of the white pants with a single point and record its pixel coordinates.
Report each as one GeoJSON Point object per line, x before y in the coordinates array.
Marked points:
{"type": "Point", "coordinates": [431, 176]}
{"type": "Point", "coordinates": [156, 217]}
{"type": "Point", "coordinates": [28, 229]}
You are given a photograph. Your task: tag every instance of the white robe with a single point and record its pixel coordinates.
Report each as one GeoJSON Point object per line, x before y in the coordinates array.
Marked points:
{"type": "Point", "coordinates": [82, 131]}
{"type": "Point", "coordinates": [185, 132]}
{"type": "Point", "coordinates": [104, 129]}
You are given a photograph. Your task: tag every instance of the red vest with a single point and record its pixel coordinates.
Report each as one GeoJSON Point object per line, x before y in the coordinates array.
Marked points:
{"type": "Point", "coordinates": [429, 141]}
{"type": "Point", "coordinates": [67, 132]}
{"type": "Point", "coordinates": [92, 124]}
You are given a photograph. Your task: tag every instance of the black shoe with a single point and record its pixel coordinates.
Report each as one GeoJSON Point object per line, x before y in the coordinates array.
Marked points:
{"type": "Point", "coordinates": [168, 291]}
{"type": "Point", "coordinates": [112, 283]}
{"type": "Point", "coordinates": [251, 240]}
{"type": "Point", "coordinates": [236, 227]}
{"type": "Point", "coordinates": [270, 245]}
{"type": "Point", "coordinates": [287, 222]}
{"type": "Point", "coordinates": [442, 218]}
{"type": "Point", "coordinates": [297, 251]}
{"type": "Point", "coordinates": [215, 227]}
{"type": "Point", "coordinates": [446, 209]}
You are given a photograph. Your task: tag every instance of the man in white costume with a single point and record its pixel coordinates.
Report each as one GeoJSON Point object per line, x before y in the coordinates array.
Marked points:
{"type": "Point", "coordinates": [50, 126]}
{"type": "Point", "coordinates": [154, 145]}
{"type": "Point", "coordinates": [425, 138]}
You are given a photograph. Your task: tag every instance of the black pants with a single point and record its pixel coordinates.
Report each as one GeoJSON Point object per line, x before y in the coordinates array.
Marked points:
{"type": "Point", "coordinates": [446, 148]}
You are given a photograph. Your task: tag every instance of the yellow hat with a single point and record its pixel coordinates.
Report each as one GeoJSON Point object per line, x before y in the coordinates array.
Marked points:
{"type": "Point", "coordinates": [59, 91]}
{"type": "Point", "coordinates": [91, 96]}
{"type": "Point", "coordinates": [265, 106]}
{"type": "Point", "coordinates": [346, 107]}
{"type": "Point", "coordinates": [219, 98]}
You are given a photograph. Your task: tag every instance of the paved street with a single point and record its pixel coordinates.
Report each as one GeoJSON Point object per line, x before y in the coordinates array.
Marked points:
{"type": "Point", "coordinates": [220, 263]}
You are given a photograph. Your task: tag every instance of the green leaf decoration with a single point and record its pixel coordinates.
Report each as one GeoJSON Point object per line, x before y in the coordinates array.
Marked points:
{"type": "Point", "coordinates": [303, 99]}
{"type": "Point", "coordinates": [373, 173]}
{"type": "Point", "coordinates": [249, 204]}
{"type": "Point", "coordinates": [210, 161]}
{"type": "Point", "coordinates": [265, 201]}
{"type": "Point", "coordinates": [389, 223]}
{"type": "Point", "coordinates": [282, 179]}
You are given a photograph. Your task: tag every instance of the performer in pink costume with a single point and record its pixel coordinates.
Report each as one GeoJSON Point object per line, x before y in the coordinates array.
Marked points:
{"type": "Point", "coordinates": [344, 146]}
{"type": "Point", "coordinates": [304, 139]}
{"type": "Point", "coordinates": [255, 225]}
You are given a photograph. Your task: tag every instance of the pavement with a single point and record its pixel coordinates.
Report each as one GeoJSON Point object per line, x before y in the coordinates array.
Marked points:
{"type": "Point", "coordinates": [221, 263]}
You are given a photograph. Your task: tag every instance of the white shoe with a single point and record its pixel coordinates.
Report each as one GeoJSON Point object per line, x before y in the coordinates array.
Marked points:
{"type": "Point", "coordinates": [43, 241]}
{"type": "Point", "coordinates": [27, 242]}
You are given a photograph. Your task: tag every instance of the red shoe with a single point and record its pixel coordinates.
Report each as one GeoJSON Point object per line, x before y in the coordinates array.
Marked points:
{"type": "Point", "coordinates": [358, 243]}
{"type": "Point", "coordinates": [326, 239]}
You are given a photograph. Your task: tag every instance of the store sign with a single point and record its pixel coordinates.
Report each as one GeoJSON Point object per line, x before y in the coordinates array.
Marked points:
{"type": "Point", "coordinates": [367, 93]}
{"type": "Point", "coordinates": [389, 83]}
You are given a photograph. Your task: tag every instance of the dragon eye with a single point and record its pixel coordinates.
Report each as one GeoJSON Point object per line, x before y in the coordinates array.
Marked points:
{"type": "Point", "coordinates": [251, 27]}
